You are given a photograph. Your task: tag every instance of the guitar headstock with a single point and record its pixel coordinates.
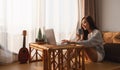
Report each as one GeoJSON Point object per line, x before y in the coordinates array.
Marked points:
{"type": "Point", "coordinates": [24, 32]}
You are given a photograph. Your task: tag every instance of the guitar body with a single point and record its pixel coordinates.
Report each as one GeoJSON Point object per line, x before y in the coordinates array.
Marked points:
{"type": "Point", "coordinates": [23, 55]}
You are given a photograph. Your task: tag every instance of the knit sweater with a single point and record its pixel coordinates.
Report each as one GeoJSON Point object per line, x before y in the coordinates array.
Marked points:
{"type": "Point", "coordinates": [94, 40]}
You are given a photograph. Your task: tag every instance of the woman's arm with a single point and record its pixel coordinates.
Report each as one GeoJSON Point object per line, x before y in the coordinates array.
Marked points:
{"type": "Point", "coordinates": [96, 39]}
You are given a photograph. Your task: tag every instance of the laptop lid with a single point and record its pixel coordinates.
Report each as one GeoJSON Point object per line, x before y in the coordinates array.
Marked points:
{"type": "Point", "coordinates": [50, 36]}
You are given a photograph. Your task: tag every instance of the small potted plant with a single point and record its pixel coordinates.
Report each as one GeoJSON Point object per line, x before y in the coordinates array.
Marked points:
{"type": "Point", "coordinates": [40, 39]}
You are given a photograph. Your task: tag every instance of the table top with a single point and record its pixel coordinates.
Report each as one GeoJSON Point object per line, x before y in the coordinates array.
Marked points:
{"type": "Point", "coordinates": [48, 46]}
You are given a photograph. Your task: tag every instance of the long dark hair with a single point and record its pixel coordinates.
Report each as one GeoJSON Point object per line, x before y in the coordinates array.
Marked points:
{"type": "Point", "coordinates": [92, 25]}
{"type": "Point", "coordinates": [91, 22]}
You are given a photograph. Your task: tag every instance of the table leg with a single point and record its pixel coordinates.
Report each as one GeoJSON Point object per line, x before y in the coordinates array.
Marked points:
{"type": "Point", "coordinates": [29, 54]}
{"type": "Point", "coordinates": [45, 60]}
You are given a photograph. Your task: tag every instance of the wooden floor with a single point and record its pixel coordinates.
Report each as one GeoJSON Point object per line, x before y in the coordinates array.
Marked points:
{"type": "Point", "coordinates": [39, 66]}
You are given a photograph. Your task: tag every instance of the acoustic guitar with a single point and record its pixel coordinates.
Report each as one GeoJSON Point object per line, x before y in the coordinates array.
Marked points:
{"type": "Point", "coordinates": [23, 55]}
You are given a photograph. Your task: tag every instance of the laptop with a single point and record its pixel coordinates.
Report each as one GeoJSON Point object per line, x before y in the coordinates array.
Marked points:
{"type": "Point", "coordinates": [49, 33]}
{"type": "Point", "coordinates": [50, 36]}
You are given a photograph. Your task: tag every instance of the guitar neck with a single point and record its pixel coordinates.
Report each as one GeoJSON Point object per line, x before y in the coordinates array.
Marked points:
{"type": "Point", "coordinates": [24, 40]}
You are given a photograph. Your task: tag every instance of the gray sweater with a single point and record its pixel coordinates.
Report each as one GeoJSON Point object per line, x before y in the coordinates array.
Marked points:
{"type": "Point", "coordinates": [94, 40]}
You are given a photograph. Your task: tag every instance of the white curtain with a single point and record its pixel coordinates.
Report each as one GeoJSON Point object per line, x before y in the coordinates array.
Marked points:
{"type": "Point", "coordinates": [62, 16]}
{"type": "Point", "coordinates": [30, 15]}
{"type": "Point", "coordinates": [16, 16]}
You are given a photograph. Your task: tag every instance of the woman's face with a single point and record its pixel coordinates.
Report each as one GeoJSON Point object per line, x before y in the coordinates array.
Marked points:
{"type": "Point", "coordinates": [85, 24]}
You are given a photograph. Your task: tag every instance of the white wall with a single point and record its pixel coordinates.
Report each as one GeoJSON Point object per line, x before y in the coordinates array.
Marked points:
{"type": "Point", "coordinates": [108, 14]}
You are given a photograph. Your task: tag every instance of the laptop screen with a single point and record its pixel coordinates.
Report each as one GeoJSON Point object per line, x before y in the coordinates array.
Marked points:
{"type": "Point", "coordinates": [50, 36]}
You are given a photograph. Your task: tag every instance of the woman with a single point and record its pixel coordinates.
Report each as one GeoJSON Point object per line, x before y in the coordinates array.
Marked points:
{"type": "Point", "coordinates": [93, 43]}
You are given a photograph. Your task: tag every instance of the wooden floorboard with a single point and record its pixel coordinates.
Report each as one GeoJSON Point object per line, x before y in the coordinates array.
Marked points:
{"type": "Point", "coordinates": [105, 65]}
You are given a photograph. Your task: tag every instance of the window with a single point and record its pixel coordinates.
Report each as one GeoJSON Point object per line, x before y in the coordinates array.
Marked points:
{"type": "Point", "coordinates": [62, 16]}
{"type": "Point", "coordinates": [30, 15]}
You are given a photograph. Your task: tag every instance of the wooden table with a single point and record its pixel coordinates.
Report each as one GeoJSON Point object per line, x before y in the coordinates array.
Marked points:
{"type": "Point", "coordinates": [59, 57]}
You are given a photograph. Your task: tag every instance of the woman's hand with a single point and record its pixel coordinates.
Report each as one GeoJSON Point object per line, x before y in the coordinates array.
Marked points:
{"type": "Point", "coordinates": [68, 42]}
{"type": "Point", "coordinates": [65, 41]}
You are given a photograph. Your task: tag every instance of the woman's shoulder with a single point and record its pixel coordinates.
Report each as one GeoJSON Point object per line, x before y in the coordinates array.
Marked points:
{"type": "Point", "coordinates": [96, 31]}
